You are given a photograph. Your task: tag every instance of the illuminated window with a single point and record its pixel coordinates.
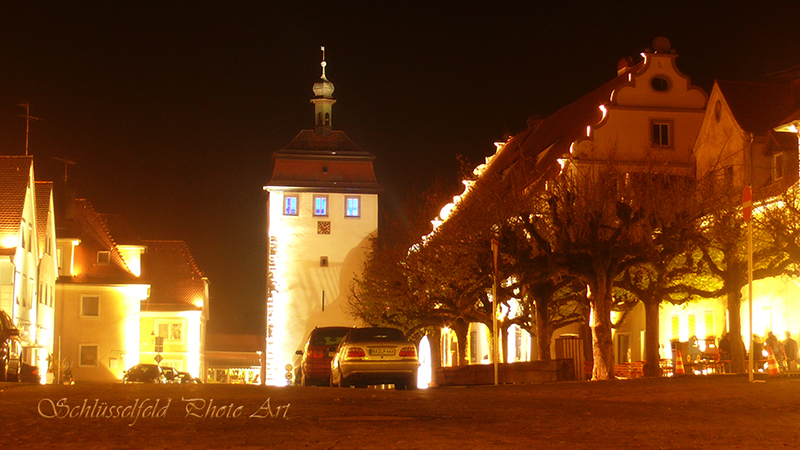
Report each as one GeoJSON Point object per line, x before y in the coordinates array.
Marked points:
{"type": "Point", "coordinates": [661, 133]}
{"type": "Point", "coordinates": [320, 205]}
{"type": "Point", "coordinates": [676, 326]}
{"type": "Point", "coordinates": [88, 355]}
{"type": "Point", "coordinates": [290, 205]}
{"type": "Point", "coordinates": [90, 306]}
{"type": "Point", "coordinates": [170, 330]}
{"type": "Point", "coordinates": [352, 206]}
{"type": "Point", "coordinates": [60, 257]}
{"type": "Point", "coordinates": [103, 257]}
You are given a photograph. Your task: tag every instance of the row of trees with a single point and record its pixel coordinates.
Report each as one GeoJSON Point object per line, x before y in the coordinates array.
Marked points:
{"type": "Point", "coordinates": [574, 251]}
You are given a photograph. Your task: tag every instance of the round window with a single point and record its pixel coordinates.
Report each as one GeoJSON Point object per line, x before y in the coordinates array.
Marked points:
{"type": "Point", "coordinates": [660, 84]}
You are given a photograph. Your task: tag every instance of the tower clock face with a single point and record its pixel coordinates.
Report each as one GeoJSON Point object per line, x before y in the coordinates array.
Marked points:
{"type": "Point", "coordinates": [323, 227]}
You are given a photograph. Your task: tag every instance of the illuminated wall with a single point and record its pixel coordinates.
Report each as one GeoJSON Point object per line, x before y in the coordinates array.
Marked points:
{"type": "Point", "coordinates": [114, 331]}
{"type": "Point", "coordinates": [776, 308]}
{"type": "Point", "coordinates": [183, 352]}
{"type": "Point", "coordinates": [307, 265]}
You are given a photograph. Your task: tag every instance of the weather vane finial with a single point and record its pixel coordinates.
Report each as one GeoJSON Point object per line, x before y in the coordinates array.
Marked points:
{"type": "Point", "coordinates": [323, 63]}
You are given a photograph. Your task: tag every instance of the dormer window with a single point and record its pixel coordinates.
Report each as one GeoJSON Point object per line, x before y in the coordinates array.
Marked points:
{"type": "Point", "coordinates": [103, 257]}
{"type": "Point", "coordinates": [660, 84]}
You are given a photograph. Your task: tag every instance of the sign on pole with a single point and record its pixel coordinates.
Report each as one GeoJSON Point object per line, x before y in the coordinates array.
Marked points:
{"type": "Point", "coordinates": [747, 204]}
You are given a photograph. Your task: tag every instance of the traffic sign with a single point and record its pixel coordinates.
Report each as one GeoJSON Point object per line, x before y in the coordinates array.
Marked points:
{"type": "Point", "coordinates": [747, 204]}
{"type": "Point", "coordinates": [158, 359]}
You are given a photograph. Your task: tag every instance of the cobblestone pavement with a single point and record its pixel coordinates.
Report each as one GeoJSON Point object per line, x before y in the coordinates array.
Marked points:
{"type": "Point", "coordinates": [690, 412]}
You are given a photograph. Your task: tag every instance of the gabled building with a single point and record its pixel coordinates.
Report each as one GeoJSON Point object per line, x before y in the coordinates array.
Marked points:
{"type": "Point", "coordinates": [27, 261]}
{"type": "Point", "coordinates": [648, 116]}
{"type": "Point", "coordinates": [740, 144]}
{"type": "Point", "coordinates": [322, 211]}
{"type": "Point", "coordinates": [176, 310]}
{"type": "Point", "coordinates": [98, 297]}
{"type": "Point", "coordinates": [123, 300]}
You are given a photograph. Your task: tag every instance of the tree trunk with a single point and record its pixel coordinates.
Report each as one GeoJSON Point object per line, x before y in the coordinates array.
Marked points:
{"type": "Point", "coordinates": [435, 339]}
{"type": "Point", "coordinates": [738, 364]}
{"type": "Point", "coordinates": [462, 329]}
{"type": "Point", "coordinates": [585, 333]}
{"type": "Point", "coordinates": [503, 329]}
{"type": "Point", "coordinates": [543, 332]}
{"type": "Point", "coordinates": [652, 367]}
{"type": "Point", "coordinates": [602, 343]}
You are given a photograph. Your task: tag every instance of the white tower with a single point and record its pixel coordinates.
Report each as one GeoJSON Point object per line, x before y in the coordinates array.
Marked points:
{"type": "Point", "coordinates": [322, 210]}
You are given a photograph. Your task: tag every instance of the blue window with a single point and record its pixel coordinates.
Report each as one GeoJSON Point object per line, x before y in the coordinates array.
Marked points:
{"type": "Point", "coordinates": [320, 205]}
{"type": "Point", "coordinates": [352, 207]}
{"type": "Point", "coordinates": [290, 205]}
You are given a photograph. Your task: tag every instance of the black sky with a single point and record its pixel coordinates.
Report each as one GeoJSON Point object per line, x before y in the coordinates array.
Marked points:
{"type": "Point", "coordinates": [173, 108]}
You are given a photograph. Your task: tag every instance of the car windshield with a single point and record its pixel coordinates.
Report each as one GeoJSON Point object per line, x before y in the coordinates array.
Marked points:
{"type": "Point", "coordinates": [328, 337]}
{"type": "Point", "coordinates": [377, 334]}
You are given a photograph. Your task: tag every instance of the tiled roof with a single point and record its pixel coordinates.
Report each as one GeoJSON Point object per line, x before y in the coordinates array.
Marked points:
{"type": "Point", "coordinates": [43, 191]}
{"type": "Point", "coordinates": [176, 283]}
{"type": "Point", "coordinates": [758, 107]}
{"type": "Point", "coordinates": [90, 227]}
{"type": "Point", "coordinates": [332, 163]}
{"type": "Point", "coordinates": [538, 148]}
{"type": "Point", "coordinates": [14, 178]}
{"type": "Point", "coordinates": [122, 231]}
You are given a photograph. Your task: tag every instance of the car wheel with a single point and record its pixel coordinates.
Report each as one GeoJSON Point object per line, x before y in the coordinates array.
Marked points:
{"type": "Point", "coordinates": [12, 371]}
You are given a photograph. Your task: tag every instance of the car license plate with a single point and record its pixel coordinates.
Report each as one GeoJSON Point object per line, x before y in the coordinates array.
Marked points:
{"type": "Point", "coordinates": [381, 351]}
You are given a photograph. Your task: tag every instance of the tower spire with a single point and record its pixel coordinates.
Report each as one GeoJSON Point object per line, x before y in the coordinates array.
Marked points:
{"type": "Point", "coordinates": [323, 101]}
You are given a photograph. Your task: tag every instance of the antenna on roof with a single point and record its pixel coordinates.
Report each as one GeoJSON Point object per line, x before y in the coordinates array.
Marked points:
{"type": "Point", "coordinates": [28, 117]}
{"type": "Point", "coordinates": [67, 163]}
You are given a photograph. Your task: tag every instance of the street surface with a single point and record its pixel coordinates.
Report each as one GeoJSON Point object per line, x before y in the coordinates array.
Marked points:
{"type": "Point", "coordinates": [724, 411]}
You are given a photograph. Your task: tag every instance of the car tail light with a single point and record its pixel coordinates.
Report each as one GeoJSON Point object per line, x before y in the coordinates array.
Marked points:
{"type": "Point", "coordinates": [315, 354]}
{"type": "Point", "coordinates": [408, 352]}
{"type": "Point", "coordinates": [355, 352]}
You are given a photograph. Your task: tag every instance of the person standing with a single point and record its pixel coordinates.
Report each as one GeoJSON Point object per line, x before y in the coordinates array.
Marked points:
{"type": "Point", "coordinates": [790, 349]}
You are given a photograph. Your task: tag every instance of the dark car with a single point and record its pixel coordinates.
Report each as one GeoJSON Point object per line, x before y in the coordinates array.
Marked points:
{"type": "Point", "coordinates": [375, 355]}
{"type": "Point", "coordinates": [29, 373]}
{"type": "Point", "coordinates": [170, 374]}
{"type": "Point", "coordinates": [315, 365]}
{"type": "Point", "coordinates": [186, 378]}
{"type": "Point", "coordinates": [10, 349]}
{"type": "Point", "coordinates": [144, 373]}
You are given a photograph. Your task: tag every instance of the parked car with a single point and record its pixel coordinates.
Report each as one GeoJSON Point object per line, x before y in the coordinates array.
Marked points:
{"type": "Point", "coordinates": [170, 374]}
{"type": "Point", "coordinates": [375, 355]}
{"type": "Point", "coordinates": [144, 373]}
{"type": "Point", "coordinates": [10, 349]}
{"type": "Point", "coordinates": [315, 364]}
{"type": "Point", "coordinates": [187, 378]}
{"type": "Point", "coordinates": [29, 373]}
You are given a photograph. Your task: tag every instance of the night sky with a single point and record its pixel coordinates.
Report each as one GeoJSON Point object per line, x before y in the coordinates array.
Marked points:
{"type": "Point", "coordinates": [172, 109]}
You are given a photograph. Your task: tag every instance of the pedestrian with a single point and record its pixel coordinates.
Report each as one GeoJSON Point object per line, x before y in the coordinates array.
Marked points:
{"type": "Point", "coordinates": [758, 353]}
{"type": "Point", "coordinates": [790, 349]}
{"type": "Point", "coordinates": [725, 352]}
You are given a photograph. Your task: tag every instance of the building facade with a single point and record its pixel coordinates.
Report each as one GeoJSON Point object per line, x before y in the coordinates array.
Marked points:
{"type": "Point", "coordinates": [27, 258]}
{"type": "Point", "coordinates": [322, 211]}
